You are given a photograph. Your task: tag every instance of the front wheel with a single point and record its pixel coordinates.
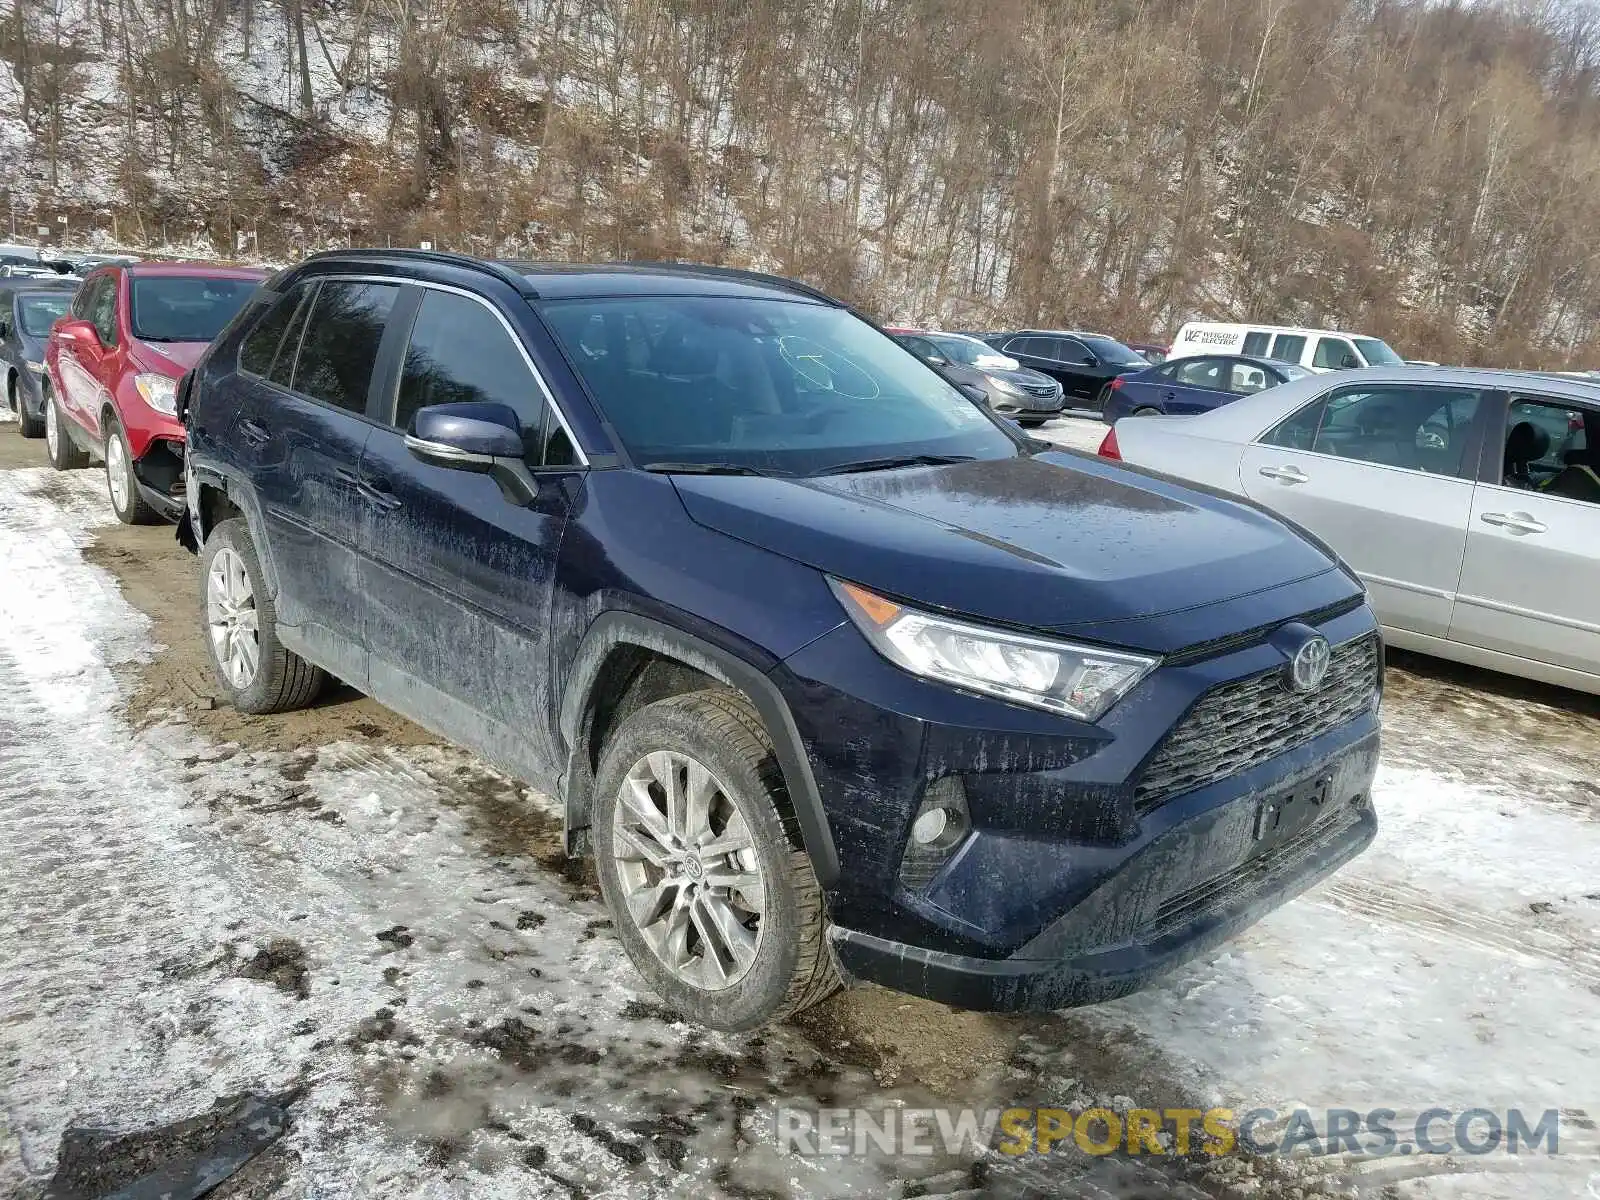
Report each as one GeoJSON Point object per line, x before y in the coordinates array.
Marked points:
{"type": "Point", "coordinates": [65, 455]}
{"type": "Point", "coordinates": [1031, 422]}
{"type": "Point", "coordinates": [700, 864]}
{"type": "Point", "coordinates": [254, 668]}
{"type": "Point", "coordinates": [121, 484]}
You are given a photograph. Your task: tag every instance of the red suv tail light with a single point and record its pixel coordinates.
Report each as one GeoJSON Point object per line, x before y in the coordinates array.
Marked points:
{"type": "Point", "coordinates": [1116, 383]}
{"type": "Point", "coordinates": [1108, 448]}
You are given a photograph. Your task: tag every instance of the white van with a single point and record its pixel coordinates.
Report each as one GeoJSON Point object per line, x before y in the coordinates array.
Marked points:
{"type": "Point", "coordinates": [1314, 349]}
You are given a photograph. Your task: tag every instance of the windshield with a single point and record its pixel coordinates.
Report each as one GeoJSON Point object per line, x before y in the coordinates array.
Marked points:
{"type": "Point", "coordinates": [1109, 350]}
{"type": "Point", "coordinates": [967, 350]}
{"type": "Point", "coordinates": [38, 313]}
{"type": "Point", "coordinates": [778, 386]}
{"type": "Point", "coordinates": [1378, 353]}
{"type": "Point", "coordinates": [185, 308]}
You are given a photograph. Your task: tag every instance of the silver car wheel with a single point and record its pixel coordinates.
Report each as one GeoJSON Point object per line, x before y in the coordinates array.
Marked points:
{"type": "Point", "coordinates": [691, 878]}
{"type": "Point", "coordinates": [232, 619]}
{"type": "Point", "coordinates": [52, 432]}
{"type": "Point", "coordinates": [117, 471]}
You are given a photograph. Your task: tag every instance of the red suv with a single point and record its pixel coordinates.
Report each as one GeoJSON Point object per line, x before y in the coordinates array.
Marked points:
{"type": "Point", "coordinates": [112, 368]}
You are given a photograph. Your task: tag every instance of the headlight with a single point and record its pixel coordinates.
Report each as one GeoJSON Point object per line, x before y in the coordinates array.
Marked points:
{"type": "Point", "coordinates": [1078, 681]}
{"type": "Point", "coordinates": [159, 392]}
{"type": "Point", "coordinates": [36, 367]}
{"type": "Point", "coordinates": [1003, 385]}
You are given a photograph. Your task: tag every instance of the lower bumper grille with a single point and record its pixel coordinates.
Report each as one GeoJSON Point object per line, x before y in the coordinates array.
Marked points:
{"type": "Point", "coordinates": [1242, 724]}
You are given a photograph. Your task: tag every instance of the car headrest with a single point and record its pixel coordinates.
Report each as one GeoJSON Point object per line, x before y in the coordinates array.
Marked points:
{"type": "Point", "coordinates": [1526, 443]}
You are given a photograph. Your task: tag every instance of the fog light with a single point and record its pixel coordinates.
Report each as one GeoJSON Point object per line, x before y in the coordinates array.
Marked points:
{"type": "Point", "coordinates": [939, 828]}
{"type": "Point", "coordinates": [930, 826]}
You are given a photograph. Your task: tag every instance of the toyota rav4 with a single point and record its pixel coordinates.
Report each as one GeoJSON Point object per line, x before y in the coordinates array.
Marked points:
{"type": "Point", "coordinates": [837, 675]}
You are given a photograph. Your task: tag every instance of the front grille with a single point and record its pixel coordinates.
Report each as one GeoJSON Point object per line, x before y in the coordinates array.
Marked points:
{"type": "Point", "coordinates": [1039, 389]}
{"type": "Point", "coordinates": [1242, 724]}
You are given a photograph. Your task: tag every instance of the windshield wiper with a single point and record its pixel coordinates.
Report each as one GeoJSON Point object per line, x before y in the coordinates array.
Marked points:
{"type": "Point", "coordinates": [889, 464]}
{"type": "Point", "coordinates": [694, 468]}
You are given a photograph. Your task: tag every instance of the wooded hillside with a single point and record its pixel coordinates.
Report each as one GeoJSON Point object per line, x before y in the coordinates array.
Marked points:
{"type": "Point", "coordinates": [1426, 172]}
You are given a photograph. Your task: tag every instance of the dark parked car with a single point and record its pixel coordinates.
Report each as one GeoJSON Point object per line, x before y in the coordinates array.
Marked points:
{"type": "Point", "coordinates": [28, 307]}
{"type": "Point", "coordinates": [1195, 385]}
{"type": "Point", "coordinates": [834, 672]}
{"type": "Point", "coordinates": [1027, 397]}
{"type": "Point", "coordinates": [1083, 363]}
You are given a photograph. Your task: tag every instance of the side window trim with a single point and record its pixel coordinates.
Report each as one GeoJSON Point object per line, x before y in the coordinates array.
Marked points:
{"type": "Point", "coordinates": [1472, 452]}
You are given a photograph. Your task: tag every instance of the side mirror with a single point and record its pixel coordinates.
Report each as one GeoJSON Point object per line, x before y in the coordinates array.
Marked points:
{"type": "Point", "coordinates": [480, 437]}
{"type": "Point", "coordinates": [975, 393]}
{"type": "Point", "coordinates": [81, 333]}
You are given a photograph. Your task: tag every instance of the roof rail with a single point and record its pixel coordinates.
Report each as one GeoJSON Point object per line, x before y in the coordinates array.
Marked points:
{"type": "Point", "coordinates": [442, 257]}
{"type": "Point", "coordinates": [741, 274]}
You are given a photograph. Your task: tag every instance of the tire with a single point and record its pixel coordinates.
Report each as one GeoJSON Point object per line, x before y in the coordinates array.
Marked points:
{"type": "Point", "coordinates": [1147, 411]}
{"type": "Point", "coordinates": [1031, 422]}
{"type": "Point", "coordinates": [1103, 399]}
{"type": "Point", "coordinates": [121, 483]}
{"type": "Point", "coordinates": [788, 967]}
{"type": "Point", "coordinates": [28, 426]}
{"type": "Point", "coordinates": [65, 455]}
{"type": "Point", "coordinates": [280, 680]}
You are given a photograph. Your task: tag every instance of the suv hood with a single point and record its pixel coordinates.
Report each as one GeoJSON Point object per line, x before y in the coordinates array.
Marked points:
{"type": "Point", "coordinates": [1056, 542]}
{"type": "Point", "coordinates": [170, 358]}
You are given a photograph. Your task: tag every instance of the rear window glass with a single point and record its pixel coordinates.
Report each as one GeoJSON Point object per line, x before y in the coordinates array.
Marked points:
{"type": "Point", "coordinates": [1257, 341]}
{"type": "Point", "coordinates": [1290, 346]}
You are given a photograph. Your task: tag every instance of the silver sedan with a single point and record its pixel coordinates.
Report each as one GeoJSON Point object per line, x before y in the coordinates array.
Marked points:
{"type": "Point", "coordinates": [1468, 501]}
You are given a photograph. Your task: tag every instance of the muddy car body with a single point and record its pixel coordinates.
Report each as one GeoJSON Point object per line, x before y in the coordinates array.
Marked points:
{"type": "Point", "coordinates": [828, 684]}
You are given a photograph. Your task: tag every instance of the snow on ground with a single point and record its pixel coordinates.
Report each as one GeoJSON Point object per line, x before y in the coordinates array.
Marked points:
{"type": "Point", "coordinates": [182, 920]}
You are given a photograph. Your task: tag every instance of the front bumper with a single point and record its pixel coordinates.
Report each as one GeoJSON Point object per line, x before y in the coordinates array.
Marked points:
{"type": "Point", "coordinates": [1190, 890]}
{"type": "Point", "coordinates": [1027, 404]}
{"type": "Point", "coordinates": [1096, 856]}
{"type": "Point", "coordinates": [159, 473]}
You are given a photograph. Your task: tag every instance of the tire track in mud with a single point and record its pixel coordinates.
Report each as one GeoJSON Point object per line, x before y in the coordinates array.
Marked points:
{"type": "Point", "coordinates": [1499, 934]}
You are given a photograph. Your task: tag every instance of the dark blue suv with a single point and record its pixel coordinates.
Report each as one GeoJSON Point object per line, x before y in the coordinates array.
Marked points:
{"type": "Point", "coordinates": [837, 675]}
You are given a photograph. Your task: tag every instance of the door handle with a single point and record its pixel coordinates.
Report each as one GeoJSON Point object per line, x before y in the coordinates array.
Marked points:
{"type": "Point", "coordinates": [1516, 522]}
{"type": "Point", "coordinates": [1286, 474]}
{"type": "Point", "coordinates": [378, 494]}
{"type": "Point", "coordinates": [1169, 395]}
{"type": "Point", "coordinates": [346, 475]}
{"type": "Point", "coordinates": [252, 432]}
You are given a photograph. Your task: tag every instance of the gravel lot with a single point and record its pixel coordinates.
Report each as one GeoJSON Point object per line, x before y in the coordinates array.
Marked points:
{"type": "Point", "coordinates": [334, 909]}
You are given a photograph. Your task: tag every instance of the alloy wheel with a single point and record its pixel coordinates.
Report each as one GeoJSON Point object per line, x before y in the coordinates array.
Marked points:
{"type": "Point", "coordinates": [231, 618]}
{"type": "Point", "coordinates": [52, 432]}
{"type": "Point", "coordinates": [691, 877]}
{"type": "Point", "coordinates": [117, 470]}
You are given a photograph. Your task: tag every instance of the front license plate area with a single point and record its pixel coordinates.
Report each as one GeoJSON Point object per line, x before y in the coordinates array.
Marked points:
{"type": "Point", "coordinates": [1280, 817]}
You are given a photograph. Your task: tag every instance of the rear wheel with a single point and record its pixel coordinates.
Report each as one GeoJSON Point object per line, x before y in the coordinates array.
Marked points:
{"type": "Point", "coordinates": [241, 626]}
{"type": "Point", "coordinates": [1147, 412]}
{"type": "Point", "coordinates": [1103, 399]}
{"type": "Point", "coordinates": [126, 500]}
{"type": "Point", "coordinates": [64, 452]}
{"type": "Point", "coordinates": [701, 866]}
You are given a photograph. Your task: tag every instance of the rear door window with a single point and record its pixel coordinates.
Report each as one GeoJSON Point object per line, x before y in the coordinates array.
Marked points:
{"type": "Point", "coordinates": [1416, 428]}
{"type": "Point", "coordinates": [1289, 346]}
{"type": "Point", "coordinates": [340, 346]}
{"type": "Point", "coordinates": [1256, 342]}
{"type": "Point", "coordinates": [1245, 379]}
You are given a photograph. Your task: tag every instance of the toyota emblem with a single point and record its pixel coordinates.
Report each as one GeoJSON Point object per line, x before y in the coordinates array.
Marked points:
{"type": "Point", "coordinates": [1309, 666]}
